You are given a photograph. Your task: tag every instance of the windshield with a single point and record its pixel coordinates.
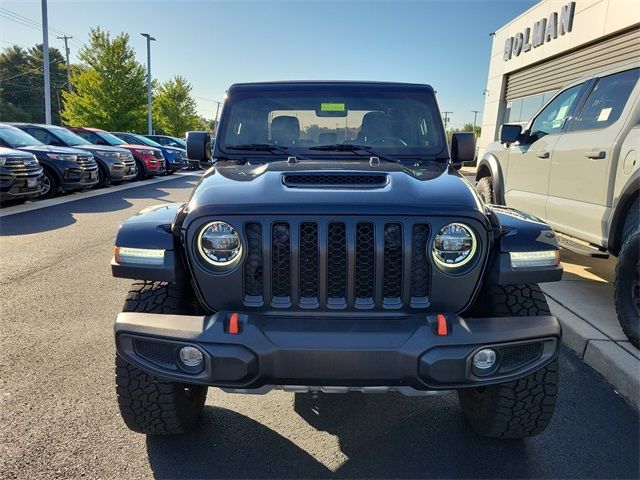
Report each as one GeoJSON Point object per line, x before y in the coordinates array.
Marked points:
{"type": "Point", "coordinates": [16, 138]}
{"type": "Point", "coordinates": [179, 141]}
{"type": "Point", "coordinates": [393, 122]}
{"type": "Point", "coordinates": [144, 140]}
{"type": "Point", "coordinates": [110, 139]}
{"type": "Point", "coordinates": [69, 138]}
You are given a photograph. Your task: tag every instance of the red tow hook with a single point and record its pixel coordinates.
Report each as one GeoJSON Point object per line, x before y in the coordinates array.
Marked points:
{"type": "Point", "coordinates": [442, 330]}
{"type": "Point", "coordinates": [234, 325]}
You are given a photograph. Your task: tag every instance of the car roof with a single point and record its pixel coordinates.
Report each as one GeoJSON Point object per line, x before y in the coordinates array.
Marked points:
{"type": "Point", "coordinates": [329, 85]}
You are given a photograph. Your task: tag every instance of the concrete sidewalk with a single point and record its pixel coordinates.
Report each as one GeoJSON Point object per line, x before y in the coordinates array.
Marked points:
{"type": "Point", "coordinates": [583, 302]}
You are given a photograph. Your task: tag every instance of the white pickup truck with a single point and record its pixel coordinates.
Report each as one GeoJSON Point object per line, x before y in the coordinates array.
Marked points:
{"type": "Point", "coordinates": [576, 165]}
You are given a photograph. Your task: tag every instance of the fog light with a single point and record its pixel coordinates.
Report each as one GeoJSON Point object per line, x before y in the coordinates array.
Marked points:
{"type": "Point", "coordinates": [191, 357]}
{"type": "Point", "coordinates": [485, 359]}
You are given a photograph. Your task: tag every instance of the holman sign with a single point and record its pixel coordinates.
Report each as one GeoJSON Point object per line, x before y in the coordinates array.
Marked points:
{"type": "Point", "coordinates": [544, 30]}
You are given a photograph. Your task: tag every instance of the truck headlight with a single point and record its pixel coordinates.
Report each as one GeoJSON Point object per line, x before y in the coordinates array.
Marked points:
{"type": "Point", "coordinates": [219, 244]}
{"type": "Point", "coordinates": [454, 245]}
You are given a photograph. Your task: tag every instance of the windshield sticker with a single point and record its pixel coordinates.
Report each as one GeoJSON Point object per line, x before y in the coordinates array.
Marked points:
{"type": "Point", "coordinates": [604, 114]}
{"type": "Point", "coordinates": [332, 107]}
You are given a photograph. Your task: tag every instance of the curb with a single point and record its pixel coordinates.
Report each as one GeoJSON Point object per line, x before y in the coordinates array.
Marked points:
{"type": "Point", "coordinates": [617, 362]}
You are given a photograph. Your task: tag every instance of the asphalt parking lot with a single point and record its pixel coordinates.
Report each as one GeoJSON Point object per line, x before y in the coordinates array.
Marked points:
{"type": "Point", "coordinates": [59, 416]}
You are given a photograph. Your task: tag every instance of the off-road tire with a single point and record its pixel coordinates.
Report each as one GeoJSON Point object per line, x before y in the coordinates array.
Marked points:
{"type": "Point", "coordinates": [147, 403]}
{"type": "Point", "coordinates": [626, 292]}
{"type": "Point", "coordinates": [521, 408]}
{"type": "Point", "coordinates": [484, 187]}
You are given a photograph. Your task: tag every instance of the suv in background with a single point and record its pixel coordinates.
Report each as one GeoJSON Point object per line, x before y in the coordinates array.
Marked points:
{"type": "Point", "coordinates": [20, 175]}
{"type": "Point", "coordinates": [64, 169]}
{"type": "Point", "coordinates": [112, 162]}
{"type": "Point", "coordinates": [168, 141]}
{"type": "Point", "coordinates": [146, 161]}
{"type": "Point", "coordinates": [576, 165]}
{"type": "Point", "coordinates": [175, 158]}
{"type": "Point", "coordinates": [305, 264]}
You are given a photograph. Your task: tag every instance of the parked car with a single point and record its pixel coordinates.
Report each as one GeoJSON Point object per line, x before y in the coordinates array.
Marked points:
{"type": "Point", "coordinates": [168, 141]}
{"type": "Point", "coordinates": [306, 264]}
{"type": "Point", "coordinates": [148, 161]}
{"type": "Point", "coordinates": [114, 164]}
{"type": "Point", "coordinates": [64, 169]}
{"type": "Point", "coordinates": [576, 165]}
{"type": "Point", "coordinates": [175, 158]}
{"type": "Point", "coordinates": [20, 175]}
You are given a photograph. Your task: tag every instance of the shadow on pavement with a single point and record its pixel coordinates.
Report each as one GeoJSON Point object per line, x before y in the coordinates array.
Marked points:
{"type": "Point", "coordinates": [391, 436]}
{"type": "Point", "coordinates": [60, 216]}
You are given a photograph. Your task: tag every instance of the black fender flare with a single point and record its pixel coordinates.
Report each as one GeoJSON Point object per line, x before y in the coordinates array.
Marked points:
{"type": "Point", "coordinates": [629, 193]}
{"type": "Point", "coordinates": [489, 166]}
{"type": "Point", "coordinates": [48, 166]}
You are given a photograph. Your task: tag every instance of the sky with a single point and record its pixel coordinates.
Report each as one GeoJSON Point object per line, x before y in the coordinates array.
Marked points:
{"type": "Point", "coordinates": [214, 44]}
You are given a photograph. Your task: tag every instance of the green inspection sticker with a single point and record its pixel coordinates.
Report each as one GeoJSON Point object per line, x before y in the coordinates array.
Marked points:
{"type": "Point", "coordinates": [332, 107]}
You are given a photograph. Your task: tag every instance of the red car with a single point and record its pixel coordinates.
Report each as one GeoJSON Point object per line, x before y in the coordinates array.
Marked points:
{"type": "Point", "coordinates": [149, 160]}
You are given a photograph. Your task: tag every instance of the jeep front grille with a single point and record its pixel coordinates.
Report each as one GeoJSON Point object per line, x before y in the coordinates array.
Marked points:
{"type": "Point", "coordinates": [355, 263]}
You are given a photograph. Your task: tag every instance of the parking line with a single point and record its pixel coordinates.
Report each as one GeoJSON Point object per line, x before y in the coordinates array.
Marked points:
{"type": "Point", "coordinates": [73, 197]}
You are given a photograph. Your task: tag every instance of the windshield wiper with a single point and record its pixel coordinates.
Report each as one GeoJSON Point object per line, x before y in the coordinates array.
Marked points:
{"type": "Point", "coordinates": [351, 147]}
{"type": "Point", "coordinates": [259, 147]}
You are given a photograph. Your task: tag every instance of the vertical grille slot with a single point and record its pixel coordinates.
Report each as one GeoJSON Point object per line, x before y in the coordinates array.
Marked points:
{"type": "Point", "coordinates": [420, 267]}
{"type": "Point", "coordinates": [365, 265]}
{"type": "Point", "coordinates": [281, 264]}
{"type": "Point", "coordinates": [253, 269]}
{"type": "Point", "coordinates": [309, 265]}
{"type": "Point", "coordinates": [336, 265]}
{"type": "Point", "coordinates": [392, 283]}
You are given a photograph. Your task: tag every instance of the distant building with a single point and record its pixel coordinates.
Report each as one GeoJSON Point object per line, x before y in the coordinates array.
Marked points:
{"type": "Point", "coordinates": [548, 46]}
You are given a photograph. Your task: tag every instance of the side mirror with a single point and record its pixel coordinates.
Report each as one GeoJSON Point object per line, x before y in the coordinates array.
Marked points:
{"type": "Point", "coordinates": [199, 146]}
{"type": "Point", "coordinates": [463, 148]}
{"type": "Point", "coordinates": [510, 133]}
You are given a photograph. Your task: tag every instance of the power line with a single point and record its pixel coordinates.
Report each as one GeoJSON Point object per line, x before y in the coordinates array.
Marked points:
{"type": "Point", "coordinates": [10, 15]}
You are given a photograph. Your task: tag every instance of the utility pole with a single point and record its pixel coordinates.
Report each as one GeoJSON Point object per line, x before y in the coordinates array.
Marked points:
{"type": "Point", "coordinates": [475, 113]}
{"type": "Point", "coordinates": [47, 76]}
{"type": "Point", "coordinates": [66, 51]}
{"type": "Point", "coordinates": [446, 119]}
{"type": "Point", "coordinates": [149, 120]}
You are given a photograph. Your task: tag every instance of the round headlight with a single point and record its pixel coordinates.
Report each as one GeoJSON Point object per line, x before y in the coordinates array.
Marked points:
{"type": "Point", "coordinates": [454, 245]}
{"type": "Point", "coordinates": [219, 244]}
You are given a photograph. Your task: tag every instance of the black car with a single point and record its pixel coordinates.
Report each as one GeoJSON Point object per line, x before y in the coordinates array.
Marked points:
{"type": "Point", "coordinates": [175, 158]}
{"type": "Point", "coordinates": [20, 175]}
{"type": "Point", "coordinates": [115, 165]}
{"type": "Point", "coordinates": [65, 169]}
{"type": "Point", "coordinates": [335, 247]}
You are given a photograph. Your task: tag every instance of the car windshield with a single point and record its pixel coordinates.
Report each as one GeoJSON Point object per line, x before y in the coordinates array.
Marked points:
{"type": "Point", "coordinates": [16, 138]}
{"type": "Point", "coordinates": [179, 141]}
{"type": "Point", "coordinates": [399, 123]}
{"type": "Point", "coordinates": [69, 138]}
{"type": "Point", "coordinates": [110, 138]}
{"type": "Point", "coordinates": [144, 140]}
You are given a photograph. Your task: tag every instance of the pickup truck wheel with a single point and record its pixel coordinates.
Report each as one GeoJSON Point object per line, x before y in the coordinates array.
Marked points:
{"type": "Point", "coordinates": [521, 408]}
{"type": "Point", "coordinates": [484, 187]}
{"type": "Point", "coordinates": [627, 287]}
{"type": "Point", "coordinates": [147, 403]}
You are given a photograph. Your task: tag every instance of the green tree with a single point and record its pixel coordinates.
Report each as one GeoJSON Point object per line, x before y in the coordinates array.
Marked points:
{"type": "Point", "coordinates": [174, 109]}
{"type": "Point", "coordinates": [110, 88]}
{"type": "Point", "coordinates": [21, 83]}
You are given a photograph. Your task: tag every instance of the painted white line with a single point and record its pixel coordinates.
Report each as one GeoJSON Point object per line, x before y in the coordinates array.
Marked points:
{"type": "Point", "coordinates": [73, 197]}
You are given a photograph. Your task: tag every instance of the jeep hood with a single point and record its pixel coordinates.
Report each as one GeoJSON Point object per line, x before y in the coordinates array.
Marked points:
{"type": "Point", "coordinates": [265, 189]}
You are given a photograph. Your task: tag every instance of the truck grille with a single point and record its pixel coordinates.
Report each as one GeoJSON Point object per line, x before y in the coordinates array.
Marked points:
{"type": "Point", "coordinates": [129, 160]}
{"type": "Point", "coordinates": [356, 263]}
{"type": "Point", "coordinates": [22, 166]}
{"type": "Point", "coordinates": [87, 162]}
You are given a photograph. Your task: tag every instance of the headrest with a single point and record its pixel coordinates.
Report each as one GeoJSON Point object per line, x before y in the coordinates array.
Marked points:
{"type": "Point", "coordinates": [285, 129]}
{"type": "Point", "coordinates": [328, 138]}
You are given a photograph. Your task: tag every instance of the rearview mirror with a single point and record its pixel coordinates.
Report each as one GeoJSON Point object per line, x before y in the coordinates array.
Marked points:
{"type": "Point", "coordinates": [510, 133]}
{"type": "Point", "coordinates": [199, 146]}
{"type": "Point", "coordinates": [463, 148]}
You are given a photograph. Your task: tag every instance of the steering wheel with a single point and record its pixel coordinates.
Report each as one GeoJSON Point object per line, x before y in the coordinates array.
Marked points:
{"type": "Point", "coordinates": [388, 141]}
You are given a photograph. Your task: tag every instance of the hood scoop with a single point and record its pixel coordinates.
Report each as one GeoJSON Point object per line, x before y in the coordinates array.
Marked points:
{"type": "Point", "coordinates": [335, 180]}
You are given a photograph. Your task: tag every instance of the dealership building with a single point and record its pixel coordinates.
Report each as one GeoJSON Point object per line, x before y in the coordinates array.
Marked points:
{"type": "Point", "coordinates": [548, 46]}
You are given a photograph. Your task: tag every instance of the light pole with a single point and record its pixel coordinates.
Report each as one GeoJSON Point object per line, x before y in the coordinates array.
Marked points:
{"type": "Point", "coordinates": [47, 76]}
{"type": "Point", "coordinates": [475, 113]}
{"type": "Point", "coordinates": [149, 120]}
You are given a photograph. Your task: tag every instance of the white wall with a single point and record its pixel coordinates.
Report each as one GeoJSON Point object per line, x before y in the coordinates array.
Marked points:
{"type": "Point", "coordinates": [592, 19]}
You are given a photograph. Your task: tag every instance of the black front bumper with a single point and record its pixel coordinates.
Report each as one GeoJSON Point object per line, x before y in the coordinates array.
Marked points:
{"type": "Point", "coordinates": [13, 188]}
{"type": "Point", "coordinates": [352, 352]}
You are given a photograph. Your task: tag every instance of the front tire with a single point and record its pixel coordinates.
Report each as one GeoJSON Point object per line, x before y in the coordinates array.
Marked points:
{"type": "Point", "coordinates": [149, 404]}
{"type": "Point", "coordinates": [626, 292]}
{"type": "Point", "coordinates": [50, 184]}
{"type": "Point", "coordinates": [484, 187]}
{"type": "Point", "coordinates": [521, 408]}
